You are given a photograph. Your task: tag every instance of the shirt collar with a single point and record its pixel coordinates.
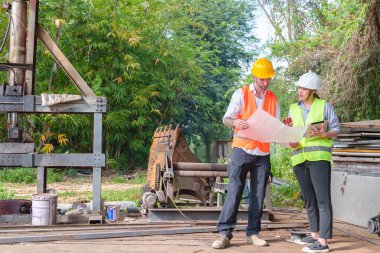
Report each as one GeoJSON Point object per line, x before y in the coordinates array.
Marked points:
{"type": "Point", "coordinates": [302, 105]}
{"type": "Point", "coordinates": [252, 88]}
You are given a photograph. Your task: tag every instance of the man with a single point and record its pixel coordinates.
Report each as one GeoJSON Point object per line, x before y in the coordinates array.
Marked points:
{"type": "Point", "coordinates": [247, 156]}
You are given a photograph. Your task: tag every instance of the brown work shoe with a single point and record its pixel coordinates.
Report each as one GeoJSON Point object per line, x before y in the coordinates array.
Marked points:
{"type": "Point", "coordinates": [221, 241]}
{"type": "Point", "coordinates": [257, 240]}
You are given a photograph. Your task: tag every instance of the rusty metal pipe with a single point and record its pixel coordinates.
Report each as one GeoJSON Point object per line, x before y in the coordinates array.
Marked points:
{"type": "Point", "coordinates": [200, 173]}
{"type": "Point", "coordinates": [17, 41]}
{"type": "Point", "coordinates": [213, 167]}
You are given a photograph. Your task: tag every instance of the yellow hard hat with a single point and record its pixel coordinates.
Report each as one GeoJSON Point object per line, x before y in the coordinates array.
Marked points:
{"type": "Point", "coordinates": [262, 68]}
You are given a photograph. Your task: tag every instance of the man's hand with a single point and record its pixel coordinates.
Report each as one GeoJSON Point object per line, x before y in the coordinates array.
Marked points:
{"type": "Point", "coordinates": [294, 144]}
{"type": "Point", "coordinates": [240, 124]}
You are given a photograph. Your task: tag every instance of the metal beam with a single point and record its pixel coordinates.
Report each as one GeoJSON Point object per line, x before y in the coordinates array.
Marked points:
{"type": "Point", "coordinates": [64, 62]}
{"type": "Point", "coordinates": [31, 46]}
{"type": "Point", "coordinates": [195, 214]}
{"type": "Point", "coordinates": [16, 148]}
{"type": "Point", "coordinates": [33, 104]}
{"type": "Point", "coordinates": [70, 160]}
{"type": "Point", "coordinates": [110, 234]}
{"type": "Point", "coordinates": [52, 160]}
{"type": "Point", "coordinates": [97, 170]}
{"type": "Point", "coordinates": [41, 180]}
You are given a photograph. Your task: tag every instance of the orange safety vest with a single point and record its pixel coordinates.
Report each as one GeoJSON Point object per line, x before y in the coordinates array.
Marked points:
{"type": "Point", "coordinates": [249, 107]}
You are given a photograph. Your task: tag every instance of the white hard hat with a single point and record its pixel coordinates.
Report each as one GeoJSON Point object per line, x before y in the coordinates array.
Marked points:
{"type": "Point", "coordinates": [310, 80]}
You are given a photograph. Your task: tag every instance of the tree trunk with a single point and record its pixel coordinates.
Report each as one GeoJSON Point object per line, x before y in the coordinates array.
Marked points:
{"type": "Point", "coordinates": [208, 148]}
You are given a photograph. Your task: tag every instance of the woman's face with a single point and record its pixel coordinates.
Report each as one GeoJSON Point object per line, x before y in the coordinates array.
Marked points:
{"type": "Point", "coordinates": [303, 93]}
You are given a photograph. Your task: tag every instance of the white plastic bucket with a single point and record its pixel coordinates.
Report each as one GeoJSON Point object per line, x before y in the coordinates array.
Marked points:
{"type": "Point", "coordinates": [44, 209]}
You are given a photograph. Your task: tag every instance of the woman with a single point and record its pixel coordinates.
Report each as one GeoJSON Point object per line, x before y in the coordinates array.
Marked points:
{"type": "Point", "coordinates": [311, 159]}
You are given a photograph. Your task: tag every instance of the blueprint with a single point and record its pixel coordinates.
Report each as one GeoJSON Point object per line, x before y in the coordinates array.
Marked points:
{"type": "Point", "coordinates": [266, 128]}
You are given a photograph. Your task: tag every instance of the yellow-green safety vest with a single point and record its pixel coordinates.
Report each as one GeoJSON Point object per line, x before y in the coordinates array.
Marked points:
{"type": "Point", "coordinates": [310, 148]}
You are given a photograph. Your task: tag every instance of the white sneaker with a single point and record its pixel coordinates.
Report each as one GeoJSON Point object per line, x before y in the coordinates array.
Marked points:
{"type": "Point", "coordinates": [257, 240]}
{"type": "Point", "coordinates": [221, 242]}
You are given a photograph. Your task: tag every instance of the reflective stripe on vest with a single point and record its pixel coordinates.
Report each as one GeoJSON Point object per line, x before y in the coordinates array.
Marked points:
{"type": "Point", "coordinates": [249, 107]}
{"type": "Point", "coordinates": [310, 148]}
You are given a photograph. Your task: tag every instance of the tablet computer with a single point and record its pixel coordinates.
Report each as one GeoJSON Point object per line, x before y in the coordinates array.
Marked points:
{"type": "Point", "coordinates": [316, 126]}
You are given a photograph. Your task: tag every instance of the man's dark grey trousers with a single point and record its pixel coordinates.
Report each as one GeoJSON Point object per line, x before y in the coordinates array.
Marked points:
{"type": "Point", "coordinates": [259, 168]}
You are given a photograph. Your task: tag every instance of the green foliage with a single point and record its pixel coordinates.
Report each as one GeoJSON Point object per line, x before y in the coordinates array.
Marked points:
{"type": "Point", "coordinates": [281, 163]}
{"type": "Point", "coordinates": [29, 175]}
{"type": "Point", "coordinates": [339, 41]}
{"type": "Point", "coordinates": [78, 195]}
{"type": "Point", "coordinates": [286, 196]}
{"type": "Point", "coordinates": [133, 194]}
{"type": "Point", "coordinates": [6, 194]}
{"type": "Point", "coordinates": [157, 62]}
{"type": "Point", "coordinates": [139, 178]}
{"type": "Point", "coordinates": [56, 175]}
{"type": "Point", "coordinates": [18, 175]}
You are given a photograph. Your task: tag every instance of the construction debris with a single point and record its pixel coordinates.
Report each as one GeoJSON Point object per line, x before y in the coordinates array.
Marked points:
{"type": "Point", "coordinates": [357, 147]}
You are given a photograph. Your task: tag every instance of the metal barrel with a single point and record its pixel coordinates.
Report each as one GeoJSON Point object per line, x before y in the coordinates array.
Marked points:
{"type": "Point", "coordinates": [213, 167]}
{"type": "Point", "coordinates": [200, 173]}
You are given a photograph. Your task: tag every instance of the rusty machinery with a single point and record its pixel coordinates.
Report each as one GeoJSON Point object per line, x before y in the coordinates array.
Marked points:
{"type": "Point", "coordinates": [174, 171]}
{"type": "Point", "coordinates": [17, 98]}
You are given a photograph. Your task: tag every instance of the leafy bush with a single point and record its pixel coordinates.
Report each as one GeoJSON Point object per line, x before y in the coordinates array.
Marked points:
{"type": "Point", "coordinates": [281, 164]}
{"type": "Point", "coordinates": [133, 194]}
{"type": "Point", "coordinates": [18, 175]}
{"type": "Point", "coordinates": [286, 196]}
{"type": "Point", "coordinates": [6, 194]}
{"type": "Point", "coordinates": [29, 175]}
{"type": "Point", "coordinates": [56, 175]}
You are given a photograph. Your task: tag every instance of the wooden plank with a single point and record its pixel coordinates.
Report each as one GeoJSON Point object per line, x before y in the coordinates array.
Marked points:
{"type": "Point", "coordinates": [356, 154]}
{"type": "Point", "coordinates": [370, 134]}
{"type": "Point", "coordinates": [64, 62]}
{"type": "Point", "coordinates": [344, 130]}
{"type": "Point", "coordinates": [349, 135]}
{"type": "Point", "coordinates": [356, 150]}
{"type": "Point", "coordinates": [368, 123]}
{"type": "Point", "coordinates": [356, 159]}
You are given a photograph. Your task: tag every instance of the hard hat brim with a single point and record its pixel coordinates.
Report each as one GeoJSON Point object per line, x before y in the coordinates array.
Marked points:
{"type": "Point", "coordinates": [265, 76]}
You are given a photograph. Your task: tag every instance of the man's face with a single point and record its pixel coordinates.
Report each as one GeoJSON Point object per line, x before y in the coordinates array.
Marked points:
{"type": "Point", "coordinates": [263, 83]}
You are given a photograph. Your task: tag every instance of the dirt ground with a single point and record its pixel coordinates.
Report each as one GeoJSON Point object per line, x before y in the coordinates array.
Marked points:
{"type": "Point", "coordinates": [80, 187]}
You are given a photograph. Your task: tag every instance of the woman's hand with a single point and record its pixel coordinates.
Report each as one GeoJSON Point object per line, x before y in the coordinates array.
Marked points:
{"type": "Point", "coordinates": [318, 132]}
{"type": "Point", "coordinates": [294, 144]}
{"type": "Point", "coordinates": [288, 121]}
